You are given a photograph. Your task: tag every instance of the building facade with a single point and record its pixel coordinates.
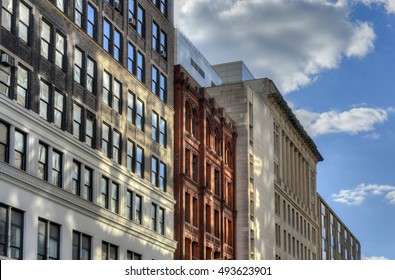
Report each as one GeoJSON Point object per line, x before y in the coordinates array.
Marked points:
{"type": "Point", "coordinates": [86, 124]}
{"type": "Point", "coordinates": [337, 241]}
{"type": "Point", "coordinates": [205, 141]}
{"type": "Point", "coordinates": [276, 170]}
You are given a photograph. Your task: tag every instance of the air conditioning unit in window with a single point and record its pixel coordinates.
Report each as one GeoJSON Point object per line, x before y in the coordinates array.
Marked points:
{"type": "Point", "coordinates": [163, 53]}
{"type": "Point", "coordinates": [132, 21]}
{"type": "Point", "coordinates": [117, 6]}
{"type": "Point", "coordinates": [7, 60]}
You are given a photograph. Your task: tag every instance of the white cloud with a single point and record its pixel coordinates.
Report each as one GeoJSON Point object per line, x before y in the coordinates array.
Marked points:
{"type": "Point", "coordinates": [373, 136]}
{"type": "Point", "coordinates": [291, 42]}
{"type": "Point", "coordinates": [389, 5]}
{"type": "Point", "coordinates": [357, 195]}
{"type": "Point", "coordinates": [374, 258]}
{"type": "Point", "coordinates": [354, 121]}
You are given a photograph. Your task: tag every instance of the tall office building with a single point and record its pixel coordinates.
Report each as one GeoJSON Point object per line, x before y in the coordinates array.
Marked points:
{"type": "Point", "coordinates": [86, 124]}
{"type": "Point", "coordinates": [276, 169]}
{"type": "Point", "coordinates": [205, 142]}
{"type": "Point", "coordinates": [337, 241]}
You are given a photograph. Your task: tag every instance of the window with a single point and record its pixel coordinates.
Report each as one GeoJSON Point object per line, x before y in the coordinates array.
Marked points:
{"type": "Point", "coordinates": [77, 120]}
{"type": "Point", "coordinates": [44, 99]}
{"type": "Point", "coordinates": [42, 161]}
{"type": "Point", "coordinates": [60, 49]}
{"type": "Point", "coordinates": [78, 12]}
{"type": "Point", "coordinates": [106, 140]}
{"type": "Point", "coordinates": [115, 197]}
{"type": "Point", "coordinates": [86, 192]}
{"type": "Point", "coordinates": [153, 216]}
{"type": "Point", "coordinates": [57, 169]}
{"type": "Point", "coordinates": [154, 171]}
{"type": "Point", "coordinates": [76, 178]}
{"type": "Point", "coordinates": [140, 67]}
{"type": "Point", "coordinates": [81, 246]}
{"type": "Point", "coordinates": [131, 58]}
{"type": "Point", "coordinates": [106, 88]}
{"type": "Point", "coordinates": [116, 104]}
{"type": "Point", "coordinates": [112, 40]}
{"type": "Point", "coordinates": [140, 115]}
{"type": "Point", "coordinates": [106, 35]}
{"type": "Point", "coordinates": [20, 150]}
{"type": "Point", "coordinates": [45, 39]}
{"type": "Point", "coordinates": [161, 220]}
{"type": "Point", "coordinates": [7, 13]}
{"type": "Point", "coordinates": [162, 132]}
{"type": "Point", "coordinates": [5, 83]}
{"type": "Point", "coordinates": [133, 256]}
{"type": "Point", "coordinates": [163, 44]}
{"type": "Point", "coordinates": [58, 109]}
{"type": "Point", "coordinates": [140, 21]}
{"type": "Point", "coordinates": [90, 130]}
{"type": "Point", "coordinates": [217, 182]}
{"type": "Point", "coordinates": [208, 218]}
{"type": "Point", "coordinates": [163, 88]}
{"type": "Point", "coordinates": [48, 242]}
{"type": "Point", "coordinates": [138, 209]}
{"type": "Point", "coordinates": [4, 142]}
{"type": "Point", "coordinates": [155, 77]}
{"type": "Point", "coordinates": [78, 65]}
{"type": "Point", "coordinates": [24, 22]}
{"type": "Point", "coordinates": [155, 36]}
{"type": "Point", "coordinates": [129, 205]}
{"type": "Point", "coordinates": [163, 7]}
{"type": "Point", "coordinates": [131, 107]}
{"type": "Point", "coordinates": [60, 5]}
{"type": "Point", "coordinates": [90, 75]}
{"type": "Point", "coordinates": [139, 162]}
{"type": "Point", "coordinates": [117, 45]}
{"type": "Point", "coordinates": [11, 232]}
{"type": "Point", "coordinates": [216, 223]}
{"type": "Point", "coordinates": [130, 155]}
{"type": "Point", "coordinates": [162, 176]}
{"type": "Point", "coordinates": [116, 146]}
{"type": "Point", "coordinates": [195, 167]}
{"type": "Point", "coordinates": [132, 12]}
{"type": "Point", "coordinates": [109, 251]}
{"type": "Point", "coordinates": [155, 124]}
{"type": "Point", "coordinates": [104, 192]}
{"type": "Point", "coordinates": [23, 87]}
{"type": "Point", "coordinates": [91, 22]}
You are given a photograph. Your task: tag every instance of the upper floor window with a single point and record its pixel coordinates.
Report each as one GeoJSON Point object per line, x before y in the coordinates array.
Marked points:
{"type": "Point", "coordinates": [24, 22]}
{"type": "Point", "coordinates": [57, 168]}
{"type": "Point", "coordinates": [87, 188]}
{"type": "Point", "coordinates": [5, 83]}
{"type": "Point", "coordinates": [106, 139]}
{"type": "Point", "coordinates": [85, 17]}
{"type": "Point", "coordinates": [42, 161]}
{"type": "Point", "coordinates": [20, 150]}
{"type": "Point", "coordinates": [140, 21]}
{"type": "Point", "coordinates": [131, 58]}
{"type": "Point", "coordinates": [48, 240]}
{"type": "Point", "coordinates": [140, 67]}
{"type": "Point", "coordinates": [60, 4]}
{"type": "Point", "coordinates": [60, 50]}
{"type": "Point", "coordinates": [163, 88]}
{"type": "Point", "coordinates": [112, 40]}
{"type": "Point", "coordinates": [140, 115]}
{"type": "Point", "coordinates": [7, 12]}
{"type": "Point", "coordinates": [81, 246]}
{"type": "Point", "coordinates": [161, 5]}
{"type": "Point", "coordinates": [109, 251]}
{"type": "Point", "coordinates": [162, 132]}
{"type": "Point", "coordinates": [23, 87]}
{"type": "Point", "coordinates": [78, 64]}
{"type": "Point", "coordinates": [139, 165]}
{"type": "Point", "coordinates": [106, 88]}
{"type": "Point", "coordinates": [132, 12]}
{"type": "Point", "coordinates": [131, 107]}
{"type": "Point", "coordinates": [11, 232]}
{"type": "Point", "coordinates": [4, 142]}
{"type": "Point", "coordinates": [116, 146]}
{"type": "Point", "coordinates": [44, 99]}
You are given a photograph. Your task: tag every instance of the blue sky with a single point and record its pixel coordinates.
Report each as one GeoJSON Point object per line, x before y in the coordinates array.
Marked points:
{"type": "Point", "coordinates": [334, 62]}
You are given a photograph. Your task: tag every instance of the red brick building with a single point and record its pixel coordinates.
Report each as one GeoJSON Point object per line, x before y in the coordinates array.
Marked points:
{"type": "Point", "coordinates": [204, 145]}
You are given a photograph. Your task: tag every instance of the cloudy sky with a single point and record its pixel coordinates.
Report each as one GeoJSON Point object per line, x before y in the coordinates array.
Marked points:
{"type": "Point", "coordinates": [335, 63]}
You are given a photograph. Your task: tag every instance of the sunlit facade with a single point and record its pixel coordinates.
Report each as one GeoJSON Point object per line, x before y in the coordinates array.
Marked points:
{"type": "Point", "coordinates": [337, 241]}
{"type": "Point", "coordinates": [86, 125]}
{"type": "Point", "coordinates": [276, 169]}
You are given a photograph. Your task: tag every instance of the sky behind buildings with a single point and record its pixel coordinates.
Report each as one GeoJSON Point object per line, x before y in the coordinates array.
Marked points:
{"type": "Point", "coordinates": [334, 62]}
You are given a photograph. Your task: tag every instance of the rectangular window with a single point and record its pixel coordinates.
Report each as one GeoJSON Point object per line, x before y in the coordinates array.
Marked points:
{"type": "Point", "coordinates": [77, 120]}
{"type": "Point", "coordinates": [78, 65]}
{"type": "Point", "coordinates": [163, 7]}
{"type": "Point", "coordinates": [7, 14]}
{"type": "Point", "coordinates": [154, 171]}
{"type": "Point", "coordinates": [81, 246]}
{"type": "Point", "coordinates": [91, 21]}
{"type": "Point", "coordinates": [58, 109]}
{"type": "Point", "coordinates": [76, 178]}
{"type": "Point", "coordinates": [162, 132]}
{"type": "Point", "coordinates": [132, 12]}
{"type": "Point", "coordinates": [217, 182]}
{"type": "Point", "coordinates": [131, 107]}
{"type": "Point", "coordinates": [23, 87]}
{"type": "Point", "coordinates": [131, 58]}
{"type": "Point", "coordinates": [139, 162]}
{"type": "Point", "coordinates": [60, 49]}
{"type": "Point", "coordinates": [138, 209]}
{"type": "Point", "coordinates": [44, 99]}
{"type": "Point", "coordinates": [140, 21]}
{"type": "Point", "coordinates": [5, 83]}
{"type": "Point", "coordinates": [155, 36]}
{"type": "Point", "coordinates": [133, 256]}
{"type": "Point", "coordinates": [90, 75]}
{"type": "Point", "coordinates": [116, 146]}
{"type": "Point", "coordinates": [24, 22]}
{"type": "Point", "coordinates": [104, 192]}
{"type": "Point", "coordinates": [106, 35]}
{"type": "Point", "coordinates": [153, 216]}
{"type": "Point", "coordinates": [57, 169]}
{"type": "Point", "coordinates": [115, 198]}
{"type": "Point", "coordinates": [78, 12]}
{"type": "Point", "coordinates": [106, 140]}
{"type": "Point", "coordinates": [129, 205]}
{"type": "Point", "coordinates": [20, 150]}
{"type": "Point", "coordinates": [154, 126]}
{"type": "Point", "coordinates": [86, 192]}
{"type": "Point", "coordinates": [163, 44]}
{"type": "Point", "coordinates": [106, 88]}
{"type": "Point", "coordinates": [130, 155]}
{"type": "Point", "coordinates": [90, 130]}
{"type": "Point", "coordinates": [42, 171]}
{"type": "Point", "coordinates": [117, 51]}
{"type": "Point", "coordinates": [116, 104]}
{"type": "Point", "coordinates": [216, 223]}
{"type": "Point", "coordinates": [11, 232]}
{"type": "Point", "coordinates": [140, 67]}
{"type": "Point", "coordinates": [48, 242]}
{"type": "Point", "coordinates": [161, 220]}
{"type": "Point", "coordinates": [155, 80]}
{"type": "Point", "coordinates": [109, 251]}
{"type": "Point", "coordinates": [60, 5]}
{"type": "Point", "coordinates": [45, 39]}
{"type": "Point", "coordinates": [162, 176]}
{"type": "Point", "coordinates": [140, 115]}
{"type": "Point", "coordinates": [195, 167]}
{"type": "Point", "coordinates": [163, 88]}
